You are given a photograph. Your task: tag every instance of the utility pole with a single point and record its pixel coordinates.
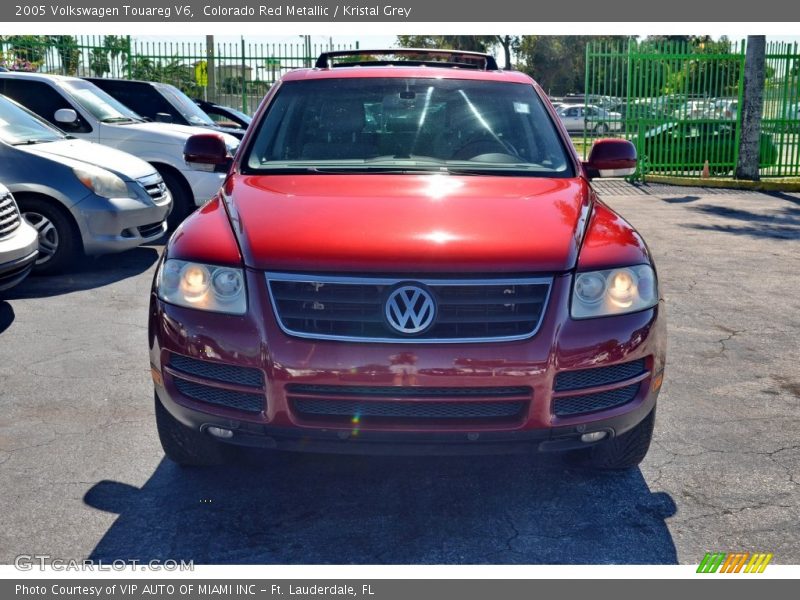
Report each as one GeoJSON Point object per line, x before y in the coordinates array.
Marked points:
{"type": "Point", "coordinates": [751, 108]}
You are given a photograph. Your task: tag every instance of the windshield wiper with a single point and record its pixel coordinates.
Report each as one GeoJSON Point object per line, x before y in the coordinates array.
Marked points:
{"type": "Point", "coordinates": [32, 141]}
{"type": "Point", "coordinates": [117, 120]}
{"type": "Point", "coordinates": [335, 169]}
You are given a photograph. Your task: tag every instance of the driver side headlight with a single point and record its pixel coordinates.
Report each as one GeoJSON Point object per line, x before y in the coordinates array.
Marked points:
{"type": "Point", "coordinates": [204, 287]}
{"type": "Point", "coordinates": [614, 292]}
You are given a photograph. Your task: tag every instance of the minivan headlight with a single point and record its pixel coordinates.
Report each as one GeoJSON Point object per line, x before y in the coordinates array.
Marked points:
{"type": "Point", "coordinates": [200, 286]}
{"type": "Point", "coordinates": [614, 292]}
{"type": "Point", "coordinates": [103, 183]}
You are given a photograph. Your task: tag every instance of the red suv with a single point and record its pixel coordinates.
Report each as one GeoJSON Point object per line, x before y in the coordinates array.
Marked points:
{"type": "Point", "coordinates": [407, 256]}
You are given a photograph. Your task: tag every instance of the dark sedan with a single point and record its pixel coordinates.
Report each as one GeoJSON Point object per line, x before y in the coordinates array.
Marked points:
{"type": "Point", "coordinates": [687, 145]}
{"type": "Point", "coordinates": [160, 102]}
{"type": "Point", "coordinates": [224, 115]}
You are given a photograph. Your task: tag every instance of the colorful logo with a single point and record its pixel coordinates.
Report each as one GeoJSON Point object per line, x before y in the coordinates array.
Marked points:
{"type": "Point", "coordinates": [734, 562]}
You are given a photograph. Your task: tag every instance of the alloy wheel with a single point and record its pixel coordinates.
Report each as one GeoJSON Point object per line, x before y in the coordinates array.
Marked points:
{"type": "Point", "coordinates": [48, 236]}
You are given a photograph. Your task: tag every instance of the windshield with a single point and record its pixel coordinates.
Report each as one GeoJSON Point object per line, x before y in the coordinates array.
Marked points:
{"type": "Point", "coordinates": [104, 108]}
{"type": "Point", "coordinates": [237, 113]}
{"type": "Point", "coordinates": [401, 124]}
{"type": "Point", "coordinates": [19, 126]}
{"type": "Point", "coordinates": [190, 111]}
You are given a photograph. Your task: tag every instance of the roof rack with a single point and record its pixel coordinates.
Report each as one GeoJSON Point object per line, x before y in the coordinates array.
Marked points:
{"type": "Point", "coordinates": [460, 59]}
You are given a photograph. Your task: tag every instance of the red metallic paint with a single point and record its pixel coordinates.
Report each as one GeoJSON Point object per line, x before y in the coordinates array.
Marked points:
{"type": "Point", "coordinates": [611, 154]}
{"type": "Point", "coordinates": [206, 236]}
{"type": "Point", "coordinates": [611, 242]}
{"type": "Point", "coordinates": [409, 223]}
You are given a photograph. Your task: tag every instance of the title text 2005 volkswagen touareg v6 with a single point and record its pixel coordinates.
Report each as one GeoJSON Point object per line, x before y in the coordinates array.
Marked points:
{"type": "Point", "coordinates": [407, 255]}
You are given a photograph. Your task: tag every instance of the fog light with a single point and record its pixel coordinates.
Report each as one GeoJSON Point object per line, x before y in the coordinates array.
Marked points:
{"type": "Point", "coordinates": [593, 437]}
{"type": "Point", "coordinates": [220, 432]}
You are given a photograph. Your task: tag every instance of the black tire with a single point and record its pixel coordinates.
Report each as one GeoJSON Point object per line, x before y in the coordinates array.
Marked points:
{"type": "Point", "coordinates": [601, 129]}
{"type": "Point", "coordinates": [185, 446]}
{"type": "Point", "coordinates": [182, 199]}
{"type": "Point", "coordinates": [625, 451]}
{"type": "Point", "coordinates": [59, 237]}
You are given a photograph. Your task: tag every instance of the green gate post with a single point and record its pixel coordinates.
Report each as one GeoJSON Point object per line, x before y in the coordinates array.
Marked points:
{"type": "Point", "coordinates": [244, 81]}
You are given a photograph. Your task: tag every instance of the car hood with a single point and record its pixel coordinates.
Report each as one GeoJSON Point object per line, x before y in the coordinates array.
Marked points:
{"type": "Point", "coordinates": [161, 133]}
{"type": "Point", "coordinates": [75, 152]}
{"type": "Point", "coordinates": [408, 223]}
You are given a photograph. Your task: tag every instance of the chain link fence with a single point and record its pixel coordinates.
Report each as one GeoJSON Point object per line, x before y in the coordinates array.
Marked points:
{"type": "Point", "coordinates": [679, 104]}
{"type": "Point", "coordinates": [236, 74]}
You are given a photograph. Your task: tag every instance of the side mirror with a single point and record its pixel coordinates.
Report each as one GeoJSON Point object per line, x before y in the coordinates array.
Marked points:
{"type": "Point", "coordinates": [65, 115]}
{"type": "Point", "coordinates": [206, 149]}
{"type": "Point", "coordinates": [163, 117]}
{"type": "Point", "coordinates": [611, 158]}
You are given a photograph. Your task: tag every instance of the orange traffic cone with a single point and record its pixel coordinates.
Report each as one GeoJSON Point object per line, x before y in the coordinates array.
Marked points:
{"type": "Point", "coordinates": [706, 174]}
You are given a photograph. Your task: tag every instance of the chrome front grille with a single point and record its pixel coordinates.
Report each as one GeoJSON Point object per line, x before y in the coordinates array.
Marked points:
{"type": "Point", "coordinates": [10, 218]}
{"type": "Point", "coordinates": [353, 308]}
{"type": "Point", "coordinates": [156, 188]}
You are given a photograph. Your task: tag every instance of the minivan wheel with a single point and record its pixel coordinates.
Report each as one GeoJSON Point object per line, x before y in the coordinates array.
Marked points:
{"type": "Point", "coordinates": [58, 243]}
{"type": "Point", "coordinates": [621, 452]}
{"type": "Point", "coordinates": [182, 200]}
{"type": "Point", "coordinates": [185, 446]}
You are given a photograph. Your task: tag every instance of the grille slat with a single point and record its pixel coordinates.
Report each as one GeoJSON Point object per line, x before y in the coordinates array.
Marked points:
{"type": "Point", "coordinates": [220, 397]}
{"type": "Point", "coordinates": [575, 405]}
{"type": "Point", "coordinates": [406, 410]}
{"type": "Point", "coordinates": [10, 218]}
{"type": "Point", "coordinates": [147, 231]}
{"type": "Point", "coordinates": [217, 371]}
{"type": "Point", "coordinates": [408, 403]}
{"type": "Point", "coordinates": [155, 188]}
{"type": "Point", "coordinates": [352, 308]}
{"type": "Point", "coordinates": [587, 378]}
{"type": "Point", "coordinates": [408, 391]}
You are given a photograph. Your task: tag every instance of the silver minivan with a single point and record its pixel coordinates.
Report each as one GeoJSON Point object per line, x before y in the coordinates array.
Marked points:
{"type": "Point", "coordinates": [82, 198]}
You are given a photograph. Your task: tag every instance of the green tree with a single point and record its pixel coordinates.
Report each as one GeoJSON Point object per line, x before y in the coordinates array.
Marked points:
{"type": "Point", "coordinates": [98, 62]}
{"type": "Point", "coordinates": [558, 62]}
{"type": "Point", "coordinates": [68, 51]}
{"type": "Point", "coordinates": [473, 43]}
{"type": "Point", "coordinates": [172, 71]}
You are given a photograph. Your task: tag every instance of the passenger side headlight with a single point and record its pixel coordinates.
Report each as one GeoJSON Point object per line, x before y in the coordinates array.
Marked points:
{"type": "Point", "coordinates": [103, 183]}
{"type": "Point", "coordinates": [204, 287]}
{"type": "Point", "coordinates": [614, 292]}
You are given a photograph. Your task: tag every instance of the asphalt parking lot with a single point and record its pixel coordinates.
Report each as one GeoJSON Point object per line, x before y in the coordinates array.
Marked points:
{"type": "Point", "coordinates": [83, 474]}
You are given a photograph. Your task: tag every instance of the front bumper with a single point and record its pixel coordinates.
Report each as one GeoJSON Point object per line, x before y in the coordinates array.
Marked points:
{"type": "Point", "coordinates": [256, 341]}
{"type": "Point", "coordinates": [118, 224]}
{"type": "Point", "coordinates": [18, 253]}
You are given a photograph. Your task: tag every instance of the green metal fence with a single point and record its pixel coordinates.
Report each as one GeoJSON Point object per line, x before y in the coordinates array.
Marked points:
{"type": "Point", "coordinates": [233, 73]}
{"type": "Point", "coordinates": [679, 104]}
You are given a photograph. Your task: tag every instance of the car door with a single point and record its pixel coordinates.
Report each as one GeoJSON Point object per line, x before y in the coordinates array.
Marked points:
{"type": "Point", "coordinates": [573, 118]}
{"type": "Point", "coordinates": [45, 100]}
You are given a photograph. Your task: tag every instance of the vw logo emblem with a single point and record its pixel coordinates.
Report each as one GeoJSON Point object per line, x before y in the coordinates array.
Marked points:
{"type": "Point", "coordinates": [410, 309]}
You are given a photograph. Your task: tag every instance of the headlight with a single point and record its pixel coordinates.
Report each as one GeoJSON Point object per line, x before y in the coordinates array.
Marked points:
{"type": "Point", "coordinates": [103, 183]}
{"type": "Point", "coordinates": [205, 287]}
{"type": "Point", "coordinates": [614, 292]}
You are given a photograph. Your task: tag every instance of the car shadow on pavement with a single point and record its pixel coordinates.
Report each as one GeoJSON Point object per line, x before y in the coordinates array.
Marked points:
{"type": "Point", "coordinates": [88, 274]}
{"type": "Point", "coordinates": [780, 223]}
{"type": "Point", "coordinates": [6, 315]}
{"type": "Point", "coordinates": [317, 509]}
